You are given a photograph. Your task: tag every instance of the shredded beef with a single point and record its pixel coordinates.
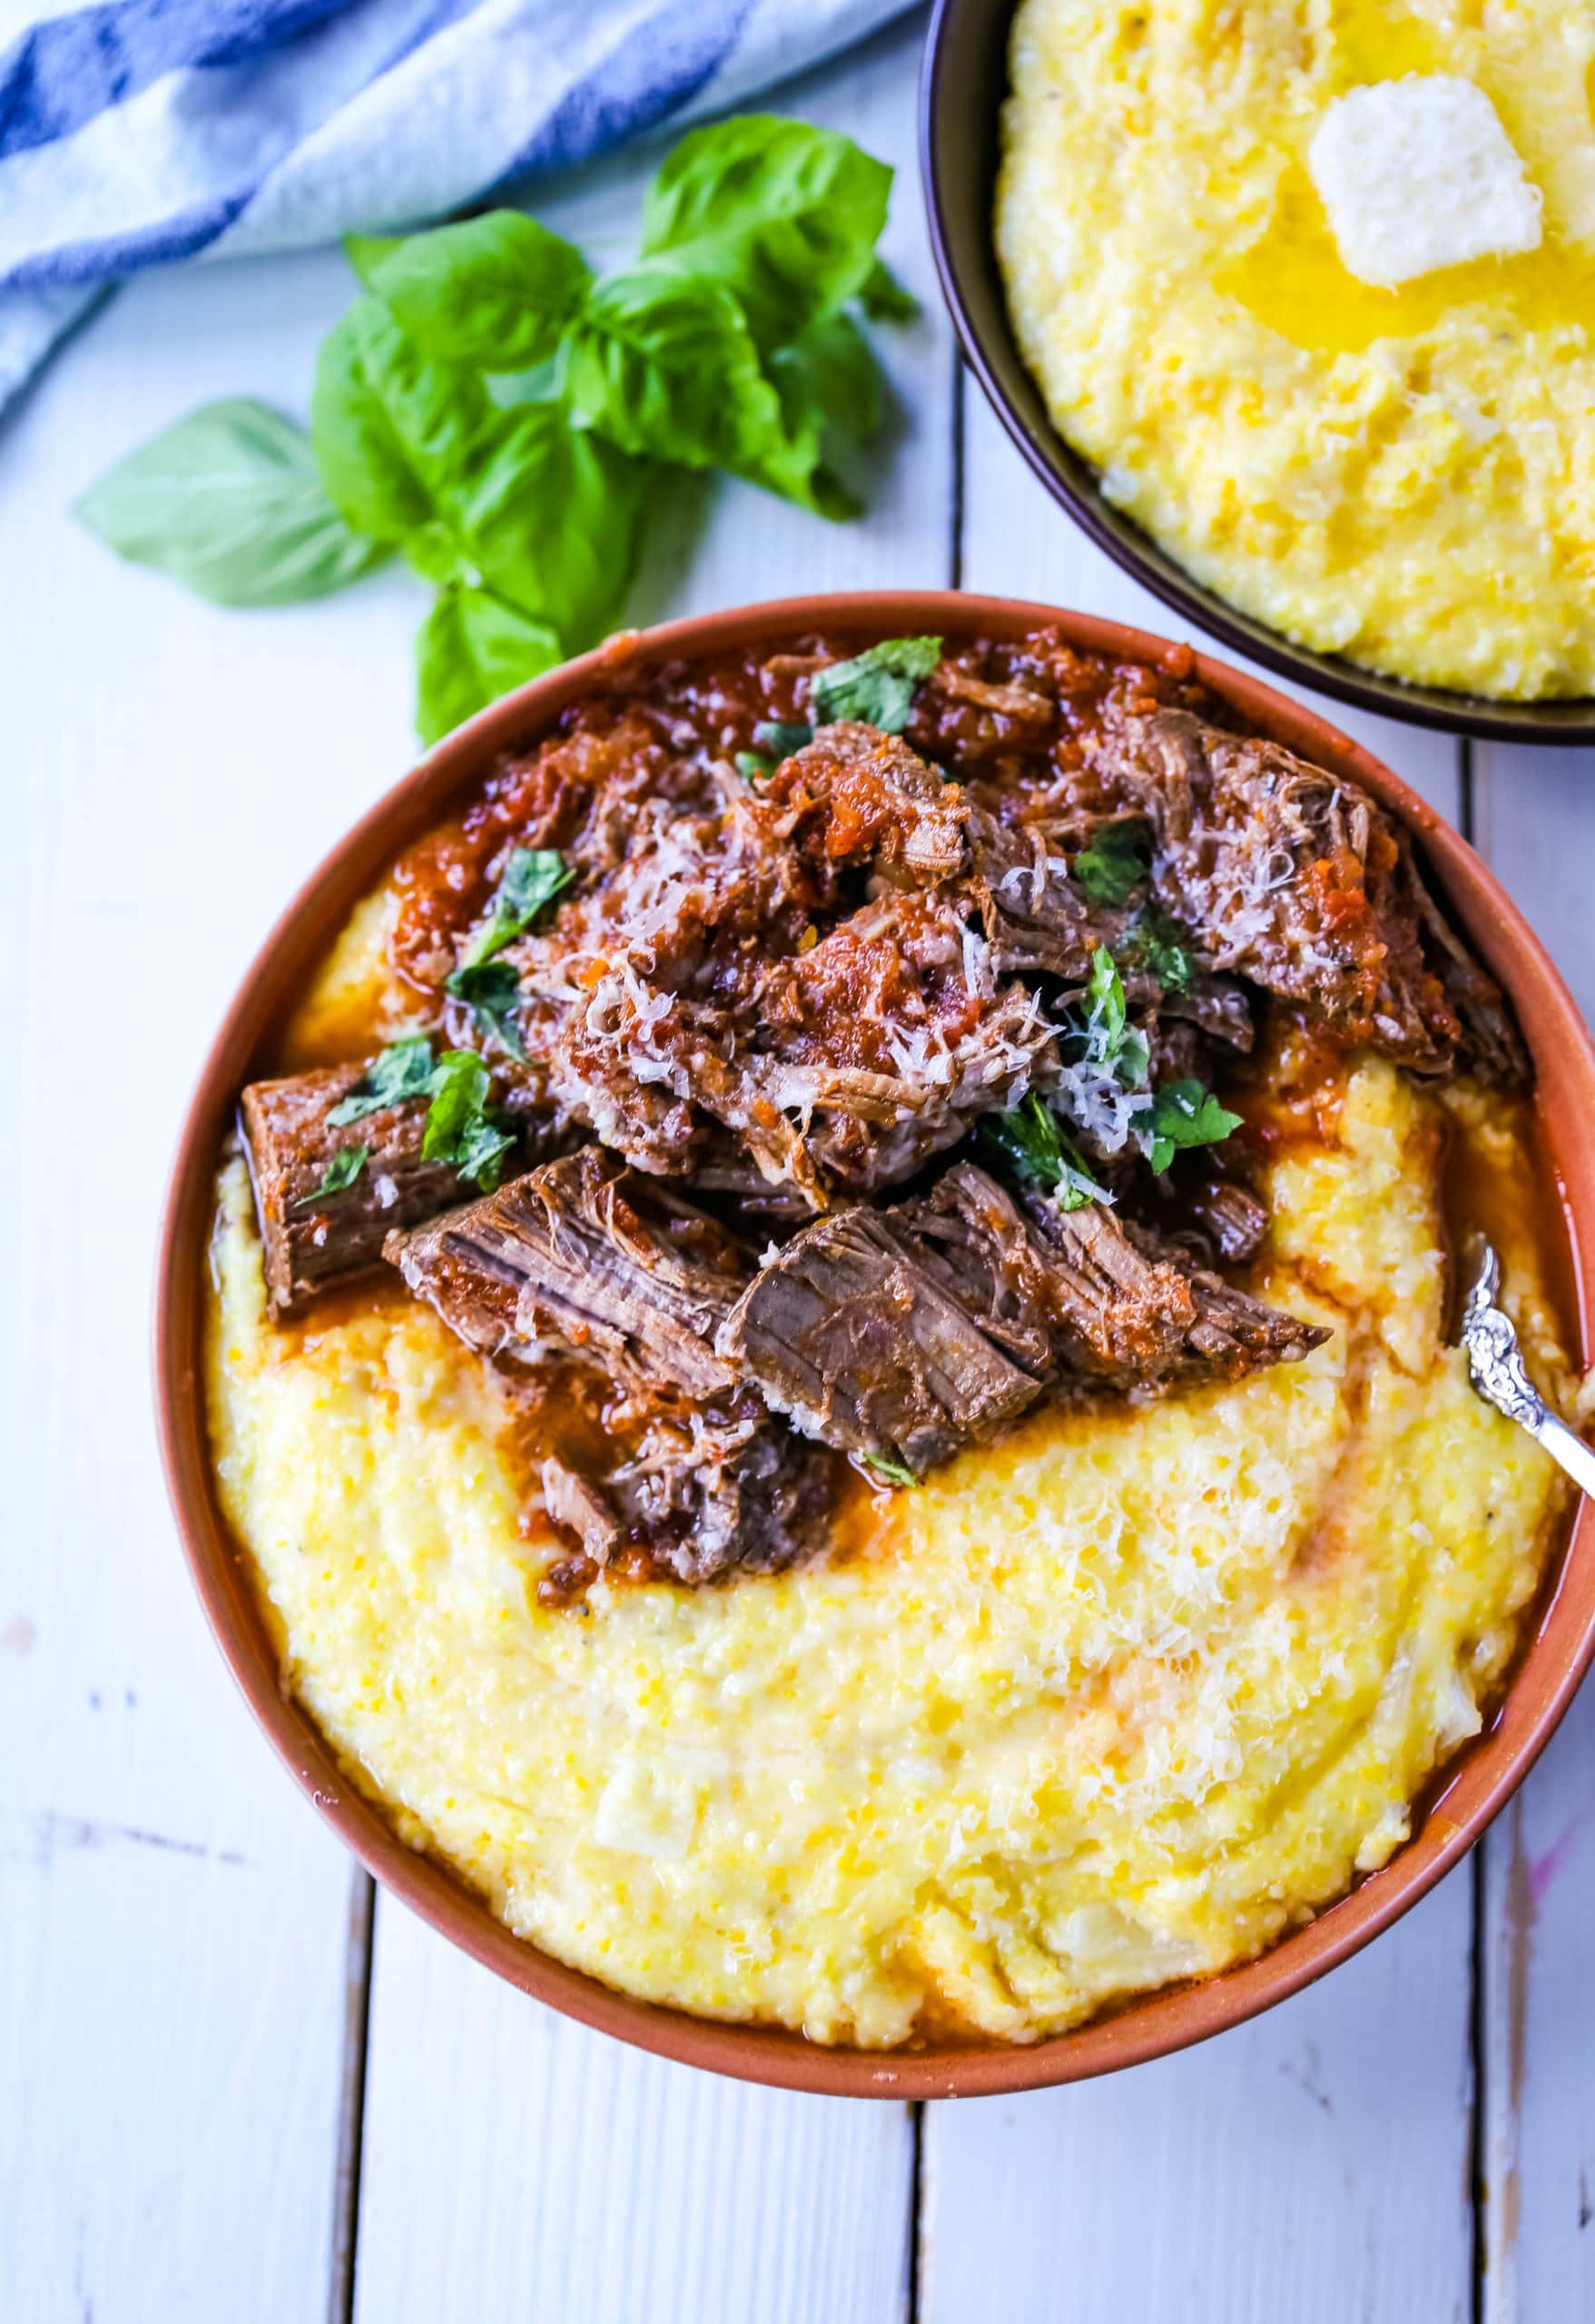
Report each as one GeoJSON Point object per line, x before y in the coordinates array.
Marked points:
{"type": "Point", "coordinates": [1300, 883]}
{"type": "Point", "coordinates": [584, 1261]}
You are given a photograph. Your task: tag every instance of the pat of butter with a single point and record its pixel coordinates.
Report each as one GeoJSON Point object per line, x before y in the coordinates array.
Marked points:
{"type": "Point", "coordinates": [1417, 174]}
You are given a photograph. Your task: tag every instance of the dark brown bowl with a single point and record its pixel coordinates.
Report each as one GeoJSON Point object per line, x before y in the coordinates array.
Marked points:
{"type": "Point", "coordinates": [964, 82]}
{"type": "Point", "coordinates": [1482, 1779]}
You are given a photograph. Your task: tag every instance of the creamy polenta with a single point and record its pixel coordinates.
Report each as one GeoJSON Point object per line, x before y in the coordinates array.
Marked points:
{"type": "Point", "coordinates": [1405, 475]}
{"type": "Point", "coordinates": [1111, 1702]}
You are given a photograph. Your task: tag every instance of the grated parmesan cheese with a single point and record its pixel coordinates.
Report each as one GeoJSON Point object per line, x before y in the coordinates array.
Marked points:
{"type": "Point", "coordinates": [1419, 174]}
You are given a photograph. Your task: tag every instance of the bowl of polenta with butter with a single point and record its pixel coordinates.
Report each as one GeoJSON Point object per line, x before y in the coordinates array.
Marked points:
{"type": "Point", "coordinates": [1293, 308]}
{"type": "Point", "coordinates": [807, 1353]}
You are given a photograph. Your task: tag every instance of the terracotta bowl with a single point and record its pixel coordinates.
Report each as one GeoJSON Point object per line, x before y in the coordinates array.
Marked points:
{"type": "Point", "coordinates": [1482, 1779]}
{"type": "Point", "coordinates": [960, 98]}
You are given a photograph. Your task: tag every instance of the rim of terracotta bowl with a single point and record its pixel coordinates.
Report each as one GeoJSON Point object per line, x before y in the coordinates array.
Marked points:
{"type": "Point", "coordinates": [1481, 1780]}
{"type": "Point", "coordinates": [961, 89]}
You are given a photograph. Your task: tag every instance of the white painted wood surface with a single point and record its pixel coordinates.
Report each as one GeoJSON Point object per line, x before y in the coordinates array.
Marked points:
{"type": "Point", "coordinates": [177, 2038]}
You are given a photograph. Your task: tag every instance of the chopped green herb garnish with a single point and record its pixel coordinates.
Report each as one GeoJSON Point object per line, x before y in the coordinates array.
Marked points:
{"type": "Point", "coordinates": [532, 878]}
{"type": "Point", "coordinates": [403, 1070]}
{"type": "Point", "coordinates": [876, 686]}
{"type": "Point", "coordinates": [1182, 1114]}
{"type": "Point", "coordinates": [1034, 1147]}
{"type": "Point", "coordinates": [752, 767]}
{"type": "Point", "coordinates": [1156, 943]}
{"type": "Point", "coordinates": [342, 1171]}
{"type": "Point", "coordinates": [1114, 862]}
{"type": "Point", "coordinates": [893, 1471]}
{"type": "Point", "coordinates": [1112, 1042]}
{"type": "Point", "coordinates": [491, 991]}
{"type": "Point", "coordinates": [459, 1130]}
{"type": "Point", "coordinates": [782, 736]}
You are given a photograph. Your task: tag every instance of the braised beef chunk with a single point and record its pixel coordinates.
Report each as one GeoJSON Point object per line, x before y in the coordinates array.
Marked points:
{"type": "Point", "coordinates": [1133, 1312]}
{"type": "Point", "coordinates": [852, 794]}
{"type": "Point", "coordinates": [1490, 1045]}
{"type": "Point", "coordinates": [583, 1509]}
{"type": "Point", "coordinates": [900, 1335]}
{"type": "Point", "coordinates": [850, 1337]}
{"type": "Point", "coordinates": [1296, 881]}
{"type": "Point", "coordinates": [1229, 1218]}
{"type": "Point", "coordinates": [722, 1487]}
{"type": "Point", "coordinates": [1036, 921]}
{"type": "Point", "coordinates": [584, 1259]}
{"type": "Point", "coordinates": [311, 1239]}
{"type": "Point", "coordinates": [585, 1262]}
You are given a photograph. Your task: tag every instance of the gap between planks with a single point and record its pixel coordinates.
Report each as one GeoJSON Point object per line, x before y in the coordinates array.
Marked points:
{"type": "Point", "coordinates": [351, 2096]}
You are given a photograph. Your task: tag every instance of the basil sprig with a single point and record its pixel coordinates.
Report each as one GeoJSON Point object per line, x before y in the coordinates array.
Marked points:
{"type": "Point", "coordinates": [499, 415]}
{"type": "Point", "coordinates": [1113, 864]}
{"type": "Point", "coordinates": [1182, 1114]}
{"type": "Point", "coordinates": [1112, 1042]}
{"type": "Point", "coordinates": [460, 1127]}
{"type": "Point", "coordinates": [877, 686]}
{"type": "Point", "coordinates": [489, 985]}
{"type": "Point", "coordinates": [343, 1170]}
{"type": "Point", "coordinates": [403, 1070]}
{"type": "Point", "coordinates": [1030, 1140]}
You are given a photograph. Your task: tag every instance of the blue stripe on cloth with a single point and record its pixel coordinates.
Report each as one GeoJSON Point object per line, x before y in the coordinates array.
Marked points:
{"type": "Point", "coordinates": [108, 255]}
{"type": "Point", "coordinates": [245, 119]}
{"type": "Point", "coordinates": [62, 73]}
{"type": "Point", "coordinates": [660, 66]}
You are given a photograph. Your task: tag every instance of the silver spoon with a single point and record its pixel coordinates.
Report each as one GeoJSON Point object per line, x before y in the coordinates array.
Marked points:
{"type": "Point", "coordinates": [1496, 1363]}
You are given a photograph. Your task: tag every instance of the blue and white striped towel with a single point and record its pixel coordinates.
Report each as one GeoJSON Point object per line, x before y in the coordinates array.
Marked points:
{"type": "Point", "coordinates": [137, 131]}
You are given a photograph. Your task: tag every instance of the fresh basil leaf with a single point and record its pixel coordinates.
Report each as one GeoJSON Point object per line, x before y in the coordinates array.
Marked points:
{"type": "Point", "coordinates": [404, 1069]}
{"type": "Point", "coordinates": [894, 1473]}
{"type": "Point", "coordinates": [550, 517]}
{"type": "Point", "coordinates": [1156, 943]}
{"type": "Point", "coordinates": [460, 1084]}
{"type": "Point", "coordinates": [471, 648]}
{"type": "Point", "coordinates": [1112, 1042]}
{"type": "Point", "coordinates": [364, 463]}
{"type": "Point", "coordinates": [667, 367]}
{"type": "Point", "coordinates": [828, 384]}
{"type": "Point", "coordinates": [341, 1172]}
{"type": "Point", "coordinates": [491, 991]}
{"type": "Point", "coordinates": [229, 503]}
{"type": "Point", "coordinates": [784, 215]}
{"type": "Point", "coordinates": [782, 736]}
{"type": "Point", "coordinates": [458, 1129]}
{"type": "Point", "coordinates": [1115, 862]}
{"type": "Point", "coordinates": [752, 767]}
{"type": "Point", "coordinates": [1030, 1142]}
{"type": "Point", "coordinates": [1182, 1114]}
{"type": "Point", "coordinates": [366, 252]}
{"type": "Point", "coordinates": [532, 878]}
{"type": "Point", "coordinates": [876, 686]}
{"type": "Point", "coordinates": [481, 1154]}
{"type": "Point", "coordinates": [884, 298]}
{"type": "Point", "coordinates": [495, 292]}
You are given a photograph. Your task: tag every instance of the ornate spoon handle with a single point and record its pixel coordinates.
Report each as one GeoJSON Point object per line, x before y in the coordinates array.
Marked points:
{"type": "Point", "coordinates": [1496, 1364]}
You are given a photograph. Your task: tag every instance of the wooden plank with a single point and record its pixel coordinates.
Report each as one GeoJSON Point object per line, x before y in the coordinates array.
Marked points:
{"type": "Point", "coordinates": [1312, 2164]}
{"type": "Point", "coordinates": [173, 1916]}
{"type": "Point", "coordinates": [514, 2164]}
{"type": "Point", "coordinates": [519, 2166]}
{"type": "Point", "coordinates": [1535, 820]}
{"type": "Point", "coordinates": [1269, 2172]}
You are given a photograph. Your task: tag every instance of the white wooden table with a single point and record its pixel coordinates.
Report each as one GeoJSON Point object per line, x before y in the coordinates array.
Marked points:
{"type": "Point", "coordinates": [232, 2085]}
